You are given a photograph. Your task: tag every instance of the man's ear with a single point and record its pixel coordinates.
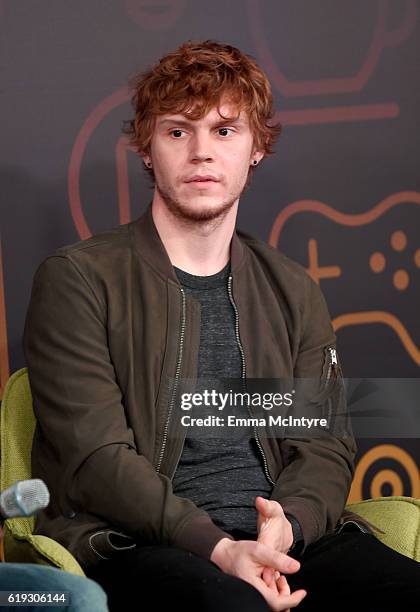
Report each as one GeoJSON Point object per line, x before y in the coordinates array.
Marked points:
{"type": "Point", "coordinates": [147, 160]}
{"type": "Point", "coordinates": [256, 157]}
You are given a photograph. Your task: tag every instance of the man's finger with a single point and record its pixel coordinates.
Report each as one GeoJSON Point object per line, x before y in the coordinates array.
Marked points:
{"type": "Point", "coordinates": [268, 507]}
{"type": "Point", "coordinates": [269, 578]}
{"type": "Point", "coordinates": [291, 601]}
{"type": "Point", "coordinates": [278, 561]}
{"type": "Point", "coordinates": [263, 505]}
{"type": "Point", "coordinates": [294, 599]}
{"type": "Point", "coordinates": [282, 585]}
{"type": "Point", "coordinates": [276, 601]}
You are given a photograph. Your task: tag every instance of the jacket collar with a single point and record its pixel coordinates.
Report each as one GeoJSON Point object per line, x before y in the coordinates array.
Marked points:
{"type": "Point", "coordinates": [150, 246]}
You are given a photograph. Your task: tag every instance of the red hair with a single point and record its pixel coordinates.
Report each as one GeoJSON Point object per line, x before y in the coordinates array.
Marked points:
{"type": "Point", "coordinates": [196, 78]}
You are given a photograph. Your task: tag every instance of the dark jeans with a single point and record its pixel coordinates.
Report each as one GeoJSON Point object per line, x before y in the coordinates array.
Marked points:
{"type": "Point", "coordinates": [341, 572]}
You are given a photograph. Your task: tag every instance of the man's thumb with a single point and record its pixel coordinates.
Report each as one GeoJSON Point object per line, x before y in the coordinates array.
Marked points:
{"type": "Point", "coordinates": [263, 506]}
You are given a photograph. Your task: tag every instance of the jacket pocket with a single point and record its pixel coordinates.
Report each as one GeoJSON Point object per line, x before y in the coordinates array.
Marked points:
{"type": "Point", "coordinates": [350, 521]}
{"type": "Point", "coordinates": [106, 543]}
{"type": "Point", "coordinates": [352, 525]}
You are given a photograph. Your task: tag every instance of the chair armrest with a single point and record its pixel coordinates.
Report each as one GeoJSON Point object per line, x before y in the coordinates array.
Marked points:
{"type": "Point", "coordinates": [29, 548]}
{"type": "Point", "coordinates": [398, 517]}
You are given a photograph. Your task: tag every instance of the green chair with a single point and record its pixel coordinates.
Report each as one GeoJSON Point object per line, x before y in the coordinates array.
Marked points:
{"type": "Point", "coordinates": [397, 517]}
{"type": "Point", "coordinates": [17, 425]}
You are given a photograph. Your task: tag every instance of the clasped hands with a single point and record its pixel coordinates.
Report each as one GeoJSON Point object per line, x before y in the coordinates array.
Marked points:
{"type": "Point", "coordinates": [264, 562]}
{"type": "Point", "coordinates": [275, 530]}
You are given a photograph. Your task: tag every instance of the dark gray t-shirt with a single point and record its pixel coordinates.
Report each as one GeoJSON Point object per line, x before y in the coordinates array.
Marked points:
{"type": "Point", "coordinates": [221, 476]}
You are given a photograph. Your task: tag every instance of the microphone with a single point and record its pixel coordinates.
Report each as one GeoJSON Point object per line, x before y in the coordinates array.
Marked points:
{"type": "Point", "coordinates": [24, 498]}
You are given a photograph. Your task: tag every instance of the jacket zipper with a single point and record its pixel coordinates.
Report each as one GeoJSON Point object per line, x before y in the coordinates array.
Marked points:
{"type": "Point", "coordinates": [333, 356]}
{"type": "Point", "coordinates": [177, 374]}
{"type": "Point", "coordinates": [241, 350]}
{"type": "Point", "coordinates": [333, 362]}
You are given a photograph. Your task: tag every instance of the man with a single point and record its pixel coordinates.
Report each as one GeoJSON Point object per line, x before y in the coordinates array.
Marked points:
{"type": "Point", "coordinates": [117, 322]}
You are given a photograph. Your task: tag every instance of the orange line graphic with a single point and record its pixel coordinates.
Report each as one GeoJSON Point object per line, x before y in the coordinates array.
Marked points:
{"type": "Point", "coordinates": [317, 272]}
{"type": "Point", "coordinates": [342, 114]}
{"type": "Point", "coordinates": [89, 126]}
{"type": "Point", "coordinates": [352, 220]}
{"type": "Point", "coordinates": [383, 451]}
{"type": "Point", "coordinates": [402, 197]}
{"type": "Point", "coordinates": [386, 318]}
{"type": "Point", "coordinates": [381, 38]}
{"type": "Point", "coordinates": [122, 179]}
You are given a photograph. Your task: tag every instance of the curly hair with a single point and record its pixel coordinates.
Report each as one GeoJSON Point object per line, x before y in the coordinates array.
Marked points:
{"type": "Point", "coordinates": [194, 79]}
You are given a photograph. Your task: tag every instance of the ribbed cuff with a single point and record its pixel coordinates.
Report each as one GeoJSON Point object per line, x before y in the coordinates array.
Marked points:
{"type": "Point", "coordinates": [298, 508]}
{"type": "Point", "coordinates": [296, 528]}
{"type": "Point", "coordinates": [199, 536]}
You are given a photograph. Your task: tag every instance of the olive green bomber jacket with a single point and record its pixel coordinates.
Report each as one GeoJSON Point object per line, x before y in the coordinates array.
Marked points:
{"type": "Point", "coordinates": [107, 326]}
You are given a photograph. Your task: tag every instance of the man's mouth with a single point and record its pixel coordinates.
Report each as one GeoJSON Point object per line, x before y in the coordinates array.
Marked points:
{"type": "Point", "coordinates": [202, 179]}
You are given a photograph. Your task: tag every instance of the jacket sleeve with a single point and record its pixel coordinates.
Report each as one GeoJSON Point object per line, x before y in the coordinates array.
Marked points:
{"type": "Point", "coordinates": [80, 414]}
{"type": "Point", "coordinates": [317, 471]}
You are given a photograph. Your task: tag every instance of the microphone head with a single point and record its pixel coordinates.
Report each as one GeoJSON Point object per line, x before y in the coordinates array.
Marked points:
{"type": "Point", "coordinates": [24, 498]}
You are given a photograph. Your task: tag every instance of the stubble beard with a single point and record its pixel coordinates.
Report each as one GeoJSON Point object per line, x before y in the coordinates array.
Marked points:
{"type": "Point", "coordinates": [203, 217]}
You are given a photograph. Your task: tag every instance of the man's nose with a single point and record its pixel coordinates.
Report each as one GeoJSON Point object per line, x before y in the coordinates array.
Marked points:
{"type": "Point", "coordinates": [201, 148]}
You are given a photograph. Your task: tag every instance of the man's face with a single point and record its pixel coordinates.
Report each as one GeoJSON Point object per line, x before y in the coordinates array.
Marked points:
{"type": "Point", "coordinates": [201, 166]}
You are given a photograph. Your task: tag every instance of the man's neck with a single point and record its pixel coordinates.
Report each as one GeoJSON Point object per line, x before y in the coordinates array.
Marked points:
{"type": "Point", "coordinates": [195, 247]}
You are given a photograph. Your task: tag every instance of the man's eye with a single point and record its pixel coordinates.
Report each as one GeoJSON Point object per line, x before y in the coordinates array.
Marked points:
{"type": "Point", "coordinates": [177, 133]}
{"type": "Point", "coordinates": [224, 131]}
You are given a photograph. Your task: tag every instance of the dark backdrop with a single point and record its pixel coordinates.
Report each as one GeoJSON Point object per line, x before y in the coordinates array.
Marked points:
{"type": "Point", "coordinates": [341, 194]}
